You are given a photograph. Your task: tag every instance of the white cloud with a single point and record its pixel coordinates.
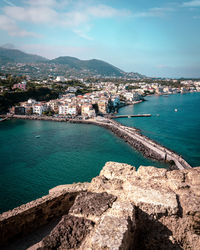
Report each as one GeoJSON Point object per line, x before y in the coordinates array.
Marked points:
{"type": "Point", "coordinates": [104, 11]}
{"type": "Point", "coordinates": [41, 2]}
{"type": "Point", "coordinates": [195, 3]}
{"type": "Point", "coordinates": [154, 12]}
{"type": "Point", "coordinates": [34, 15]}
{"type": "Point", "coordinates": [78, 16]}
{"type": "Point", "coordinates": [74, 19]}
{"type": "Point", "coordinates": [9, 25]}
{"type": "Point", "coordinates": [83, 32]}
{"type": "Point", "coordinates": [48, 3]}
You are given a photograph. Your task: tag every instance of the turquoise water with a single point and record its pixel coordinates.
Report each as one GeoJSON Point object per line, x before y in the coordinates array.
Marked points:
{"type": "Point", "coordinates": [64, 153]}
{"type": "Point", "coordinates": [179, 131]}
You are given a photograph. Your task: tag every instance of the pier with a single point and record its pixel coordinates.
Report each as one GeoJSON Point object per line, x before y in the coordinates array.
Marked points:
{"type": "Point", "coordinates": [129, 116]}
{"type": "Point", "coordinates": [131, 135]}
{"type": "Point", "coordinates": [3, 119]}
{"type": "Point", "coordinates": [141, 143]}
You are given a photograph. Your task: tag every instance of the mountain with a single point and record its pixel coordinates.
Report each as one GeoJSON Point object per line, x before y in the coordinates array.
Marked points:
{"type": "Point", "coordinates": [95, 66]}
{"type": "Point", "coordinates": [72, 65]}
{"type": "Point", "coordinates": [8, 46]}
{"type": "Point", "coordinates": [16, 56]}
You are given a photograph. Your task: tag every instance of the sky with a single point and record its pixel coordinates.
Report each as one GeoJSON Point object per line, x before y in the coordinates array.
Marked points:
{"type": "Point", "coordinates": [157, 38]}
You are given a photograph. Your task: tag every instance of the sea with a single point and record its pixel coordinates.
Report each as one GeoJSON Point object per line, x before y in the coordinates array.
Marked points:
{"type": "Point", "coordinates": [175, 122]}
{"type": "Point", "coordinates": [36, 156]}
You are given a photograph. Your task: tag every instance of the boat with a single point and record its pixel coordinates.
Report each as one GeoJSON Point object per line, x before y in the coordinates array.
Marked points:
{"type": "Point", "coordinates": [175, 110]}
{"type": "Point", "coordinates": [37, 136]}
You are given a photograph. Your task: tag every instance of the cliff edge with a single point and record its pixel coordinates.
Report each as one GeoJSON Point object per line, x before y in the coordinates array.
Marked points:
{"type": "Point", "coordinates": [121, 208]}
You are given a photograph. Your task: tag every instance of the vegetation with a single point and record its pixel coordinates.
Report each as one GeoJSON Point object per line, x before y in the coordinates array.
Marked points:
{"type": "Point", "coordinates": [11, 80]}
{"type": "Point", "coordinates": [17, 56]}
{"type": "Point", "coordinates": [97, 66]}
{"type": "Point", "coordinates": [48, 113]}
{"type": "Point", "coordinates": [10, 99]}
{"type": "Point", "coordinates": [130, 87]}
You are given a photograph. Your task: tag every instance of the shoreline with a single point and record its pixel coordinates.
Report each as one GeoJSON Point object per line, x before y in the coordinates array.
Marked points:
{"type": "Point", "coordinates": [146, 153]}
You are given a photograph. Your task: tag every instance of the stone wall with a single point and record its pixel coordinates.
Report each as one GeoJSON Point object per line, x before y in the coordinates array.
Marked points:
{"type": "Point", "coordinates": [28, 217]}
{"type": "Point", "coordinates": [141, 143]}
{"type": "Point", "coordinates": [121, 208]}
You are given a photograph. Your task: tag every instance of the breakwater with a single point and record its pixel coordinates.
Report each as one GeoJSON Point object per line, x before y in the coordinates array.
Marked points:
{"type": "Point", "coordinates": [132, 136]}
{"type": "Point", "coordinates": [141, 143]}
{"type": "Point", "coordinates": [129, 116]}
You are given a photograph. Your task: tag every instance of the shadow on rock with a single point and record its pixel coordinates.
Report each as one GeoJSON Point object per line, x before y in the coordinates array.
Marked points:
{"type": "Point", "coordinates": [152, 234]}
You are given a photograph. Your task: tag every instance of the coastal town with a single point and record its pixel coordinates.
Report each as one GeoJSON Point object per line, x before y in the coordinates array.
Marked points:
{"type": "Point", "coordinates": [87, 98]}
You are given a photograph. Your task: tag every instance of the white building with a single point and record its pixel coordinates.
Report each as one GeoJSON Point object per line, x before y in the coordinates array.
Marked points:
{"type": "Point", "coordinates": [63, 109]}
{"type": "Point", "coordinates": [68, 110]}
{"type": "Point", "coordinates": [60, 79]}
{"type": "Point", "coordinates": [128, 96]}
{"type": "Point", "coordinates": [32, 101]}
{"type": "Point", "coordinates": [39, 108]}
{"type": "Point", "coordinates": [87, 110]}
{"type": "Point", "coordinates": [72, 110]}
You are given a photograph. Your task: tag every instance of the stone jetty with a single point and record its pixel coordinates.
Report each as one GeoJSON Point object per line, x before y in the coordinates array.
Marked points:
{"type": "Point", "coordinates": [121, 208]}
{"type": "Point", "coordinates": [141, 143]}
{"type": "Point", "coordinates": [132, 136]}
{"type": "Point", "coordinates": [129, 116]}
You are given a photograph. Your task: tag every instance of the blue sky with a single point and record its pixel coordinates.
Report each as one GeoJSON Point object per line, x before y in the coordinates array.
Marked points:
{"type": "Point", "coordinates": [152, 37]}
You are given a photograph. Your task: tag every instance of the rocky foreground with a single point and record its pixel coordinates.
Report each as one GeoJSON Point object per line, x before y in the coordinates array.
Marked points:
{"type": "Point", "coordinates": [124, 209]}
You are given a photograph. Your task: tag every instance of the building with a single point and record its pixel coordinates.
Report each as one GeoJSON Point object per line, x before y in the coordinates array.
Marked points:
{"type": "Point", "coordinates": [72, 110]}
{"type": "Point", "coordinates": [68, 109]}
{"type": "Point", "coordinates": [21, 85]}
{"type": "Point", "coordinates": [60, 79]}
{"type": "Point", "coordinates": [19, 110]}
{"type": "Point", "coordinates": [63, 109]}
{"type": "Point", "coordinates": [39, 108]}
{"type": "Point", "coordinates": [53, 105]}
{"type": "Point", "coordinates": [137, 97]}
{"type": "Point", "coordinates": [102, 106]}
{"type": "Point", "coordinates": [31, 101]}
{"type": "Point", "coordinates": [159, 90]}
{"type": "Point", "coordinates": [87, 110]}
{"type": "Point", "coordinates": [128, 96]}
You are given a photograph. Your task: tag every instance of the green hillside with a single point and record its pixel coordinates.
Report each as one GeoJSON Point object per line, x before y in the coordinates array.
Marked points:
{"type": "Point", "coordinates": [94, 65]}
{"type": "Point", "coordinates": [17, 56]}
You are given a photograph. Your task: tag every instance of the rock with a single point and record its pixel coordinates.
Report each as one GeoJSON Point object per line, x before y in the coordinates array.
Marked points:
{"type": "Point", "coordinates": [151, 172]}
{"type": "Point", "coordinates": [176, 180]}
{"type": "Point", "coordinates": [76, 187]}
{"type": "Point", "coordinates": [194, 177]}
{"type": "Point", "coordinates": [68, 234]}
{"type": "Point", "coordinates": [111, 233]}
{"type": "Point", "coordinates": [114, 170]}
{"type": "Point", "coordinates": [190, 203]}
{"type": "Point", "coordinates": [120, 209]}
{"type": "Point", "coordinates": [91, 205]}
